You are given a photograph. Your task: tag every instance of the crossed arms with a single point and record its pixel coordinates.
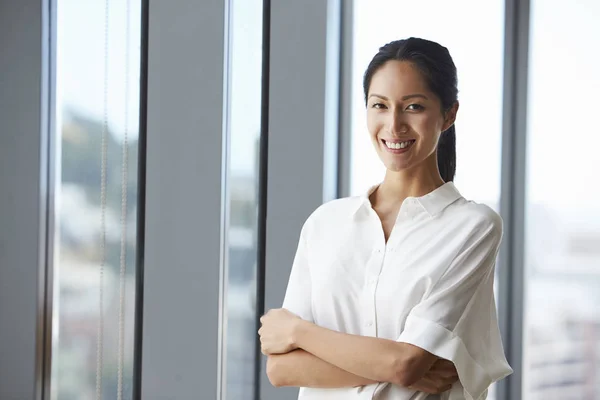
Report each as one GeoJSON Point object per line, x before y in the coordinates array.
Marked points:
{"type": "Point", "coordinates": [304, 354]}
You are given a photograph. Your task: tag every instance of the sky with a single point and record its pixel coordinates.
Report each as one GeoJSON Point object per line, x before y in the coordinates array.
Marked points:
{"type": "Point", "coordinates": [81, 55]}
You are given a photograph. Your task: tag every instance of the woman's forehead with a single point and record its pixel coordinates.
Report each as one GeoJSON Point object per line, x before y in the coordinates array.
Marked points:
{"type": "Point", "coordinates": [398, 78]}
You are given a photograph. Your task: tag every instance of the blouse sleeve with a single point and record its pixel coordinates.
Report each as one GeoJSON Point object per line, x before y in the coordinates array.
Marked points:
{"type": "Point", "coordinates": [457, 320]}
{"type": "Point", "coordinates": [298, 294]}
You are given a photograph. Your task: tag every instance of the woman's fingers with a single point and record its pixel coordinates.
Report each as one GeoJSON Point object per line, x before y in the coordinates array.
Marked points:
{"type": "Point", "coordinates": [443, 365]}
{"type": "Point", "coordinates": [443, 368]}
{"type": "Point", "coordinates": [431, 385]}
{"type": "Point", "coordinates": [439, 379]}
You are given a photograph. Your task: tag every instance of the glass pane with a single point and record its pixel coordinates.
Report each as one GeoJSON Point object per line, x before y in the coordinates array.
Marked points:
{"type": "Point", "coordinates": [95, 238]}
{"type": "Point", "coordinates": [562, 303]}
{"type": "Point", "coordinates": [479, 60]}
{"type": "Point", "coordinates": [244, 129]}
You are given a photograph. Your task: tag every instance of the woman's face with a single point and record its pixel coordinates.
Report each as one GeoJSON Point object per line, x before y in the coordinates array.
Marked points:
{"type": "Point", "coordinates": [404, 117]}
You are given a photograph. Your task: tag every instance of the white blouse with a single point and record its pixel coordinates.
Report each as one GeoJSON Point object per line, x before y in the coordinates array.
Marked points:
{"type": "Point", "coordinates": [430, 285]}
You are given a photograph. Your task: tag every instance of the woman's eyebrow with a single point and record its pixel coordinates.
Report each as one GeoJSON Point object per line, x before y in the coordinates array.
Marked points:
{"type": "Point", "coordinates": [409, 96]}
{"type": "Point", "coordinates": [378, 95]}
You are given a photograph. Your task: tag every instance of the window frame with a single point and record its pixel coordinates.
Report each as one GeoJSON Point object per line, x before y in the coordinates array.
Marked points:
{"type": "Point", "coordinates": [26, 146]}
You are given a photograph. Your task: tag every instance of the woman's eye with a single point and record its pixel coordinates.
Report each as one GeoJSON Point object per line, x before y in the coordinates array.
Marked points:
{"type": "Point", "coordinates": [415, 107]}
{"type": "Point", "coordinates": [378, 106]}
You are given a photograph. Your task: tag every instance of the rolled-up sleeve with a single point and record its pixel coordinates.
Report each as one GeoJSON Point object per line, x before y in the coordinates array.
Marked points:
{"type": "Point", "coordinates": [298, 297]}
{"type": "Point", "coordinates": [457, 320]}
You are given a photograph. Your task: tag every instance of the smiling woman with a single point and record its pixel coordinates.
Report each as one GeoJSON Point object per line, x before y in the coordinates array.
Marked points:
{"type": "Point", "coordinates": [479, 60]}
{"type": "Point", "coordinates": [391, 293]}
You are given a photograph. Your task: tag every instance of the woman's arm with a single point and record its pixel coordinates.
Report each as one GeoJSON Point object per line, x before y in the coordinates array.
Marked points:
{"type": "Point", "coordinates": [334, 359]}
{"type": "Point", "coordinates": [380, 360]}
{"type": "Point", "coordinates": [299, 368]}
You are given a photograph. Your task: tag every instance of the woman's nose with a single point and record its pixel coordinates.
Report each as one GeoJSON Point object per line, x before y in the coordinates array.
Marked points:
{"type": "Point", "coordinates": [397, 124]}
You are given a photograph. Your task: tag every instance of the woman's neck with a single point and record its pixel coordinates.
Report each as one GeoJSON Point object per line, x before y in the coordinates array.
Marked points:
{"type": "Point", "coordinates": [398, 185]}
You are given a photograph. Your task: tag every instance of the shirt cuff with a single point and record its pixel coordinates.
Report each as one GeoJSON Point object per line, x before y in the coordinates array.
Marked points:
{"type": "Point", "coordinates": [441, 342]}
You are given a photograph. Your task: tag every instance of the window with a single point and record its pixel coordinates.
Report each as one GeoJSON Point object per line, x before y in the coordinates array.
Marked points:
{"type": "Point", "coordinates": [561, 338]}
{"type": "Point", "coordinates": [95, 238]}
{"type": "Point", "coordinates": [244, 121]}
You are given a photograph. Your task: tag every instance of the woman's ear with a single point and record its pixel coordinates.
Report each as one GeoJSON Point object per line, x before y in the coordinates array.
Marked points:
{"type": "Point", "coordinates": [450, 116]}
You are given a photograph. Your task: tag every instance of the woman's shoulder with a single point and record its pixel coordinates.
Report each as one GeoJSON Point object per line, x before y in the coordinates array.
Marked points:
{"type": "Point", "coordinates": [334, 211]}
{"type": "Point", "coordinates": [478, 215]}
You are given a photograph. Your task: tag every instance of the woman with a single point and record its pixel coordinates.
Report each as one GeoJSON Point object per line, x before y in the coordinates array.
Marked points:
{"type": "Point", "coordinates": [391, 293]}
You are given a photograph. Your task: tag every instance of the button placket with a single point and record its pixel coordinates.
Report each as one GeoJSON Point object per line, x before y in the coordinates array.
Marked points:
{"type": "Point", "coordinates": [370, 291]}
{"type": "Point", "coordinates": [366, 299]}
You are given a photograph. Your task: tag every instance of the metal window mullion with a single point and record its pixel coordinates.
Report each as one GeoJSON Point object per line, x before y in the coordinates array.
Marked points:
{"type": "Point", "coordinates": [345, 99]}
{"type": "Point", "coordinates": [141, 206]}
{"type": "Point", "coordinates": [26, 115]}
{"type": "Point", "coordinates": [182, 265]}
{"type": "Point", "coordinates": [50, 170]}
{"type": "Point", "coordinates": [263, 168]}
{"type": "Point", "coordinates": [512, 202]}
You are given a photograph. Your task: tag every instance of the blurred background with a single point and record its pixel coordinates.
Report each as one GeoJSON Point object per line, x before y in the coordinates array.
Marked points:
{"type": "Point", "coordinates": [527, 146]}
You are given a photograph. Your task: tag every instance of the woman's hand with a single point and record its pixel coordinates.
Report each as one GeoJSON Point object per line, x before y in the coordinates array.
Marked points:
{"type": "Point", "coordinates": [439, 379]}
{"type": "Point", "coordinates": [277, 334]}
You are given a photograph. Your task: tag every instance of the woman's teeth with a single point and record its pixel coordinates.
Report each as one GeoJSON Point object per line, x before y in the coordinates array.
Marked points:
{"type": "Point", "coordinates": [398, 146]}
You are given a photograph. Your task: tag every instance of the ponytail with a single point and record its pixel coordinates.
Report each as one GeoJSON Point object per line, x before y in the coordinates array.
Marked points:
{"type": "Point", "coordinates": [446, 154]}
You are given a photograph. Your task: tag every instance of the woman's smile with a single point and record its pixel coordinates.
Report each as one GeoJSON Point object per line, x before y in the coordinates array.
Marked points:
{"type": "Point", "coordinates": [397, 146]}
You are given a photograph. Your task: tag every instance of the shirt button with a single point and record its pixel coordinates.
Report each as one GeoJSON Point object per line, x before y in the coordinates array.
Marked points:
{"type": "Point", "coordinates": [369, 323]}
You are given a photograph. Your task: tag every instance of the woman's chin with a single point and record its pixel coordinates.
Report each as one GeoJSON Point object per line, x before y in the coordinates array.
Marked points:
{"type": "Point", "coordinates": [396, 167]}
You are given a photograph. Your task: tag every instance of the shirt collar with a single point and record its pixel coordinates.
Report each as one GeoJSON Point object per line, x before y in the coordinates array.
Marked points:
{"type": "Point", "coordinates": [433, 202]}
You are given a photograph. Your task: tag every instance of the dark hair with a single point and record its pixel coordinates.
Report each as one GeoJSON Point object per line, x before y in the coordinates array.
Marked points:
{"type": "Point", "coordinates": [436, 65]}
